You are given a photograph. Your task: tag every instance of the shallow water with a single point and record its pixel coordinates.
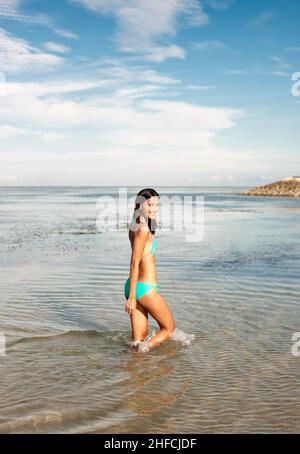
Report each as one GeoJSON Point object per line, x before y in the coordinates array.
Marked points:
{"type": "Point", "coordinates": [69, 366]}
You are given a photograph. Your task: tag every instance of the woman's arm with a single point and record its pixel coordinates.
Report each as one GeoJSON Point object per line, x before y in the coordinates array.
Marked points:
{"type": "Point", "coordinates": [139, 242]}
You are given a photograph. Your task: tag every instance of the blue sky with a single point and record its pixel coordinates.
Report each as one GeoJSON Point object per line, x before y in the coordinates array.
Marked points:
{"type": "Point", "coordinates": [173, 92]}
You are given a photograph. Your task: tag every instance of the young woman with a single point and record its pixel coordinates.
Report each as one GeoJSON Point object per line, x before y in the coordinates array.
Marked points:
{"type": "Point", "coordinates": [141, 288]}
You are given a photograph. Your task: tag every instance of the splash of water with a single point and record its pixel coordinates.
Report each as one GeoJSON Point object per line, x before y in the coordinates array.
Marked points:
{"type": "Point", "coordinates": [177, 336]}
{"type": "Point", "coordinates": [143, 345]}
{"type": "Point", "coordinates": [182, 337]}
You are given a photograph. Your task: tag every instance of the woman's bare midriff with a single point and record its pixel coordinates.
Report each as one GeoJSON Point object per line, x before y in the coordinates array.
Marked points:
{"type": "Point", "coordinates": [147, 269]}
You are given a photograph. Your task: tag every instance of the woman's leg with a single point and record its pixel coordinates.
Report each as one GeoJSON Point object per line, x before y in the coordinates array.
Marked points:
{"type": "Point", "coordinates": [155, 304]}
{"type": "Point", "coordinates": [139, 323]}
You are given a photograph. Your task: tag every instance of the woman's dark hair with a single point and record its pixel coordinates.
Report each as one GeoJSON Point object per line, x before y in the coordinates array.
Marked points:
{"type": "Point", "coordinates": [141, 197]}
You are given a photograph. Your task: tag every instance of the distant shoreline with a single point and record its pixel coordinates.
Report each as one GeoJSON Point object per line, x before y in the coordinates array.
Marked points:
{"type": "Point", "coordinates": [288, 187]}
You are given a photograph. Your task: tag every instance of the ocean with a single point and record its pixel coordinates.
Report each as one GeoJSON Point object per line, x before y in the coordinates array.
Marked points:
{"type": "Point", "coordinates": [66, 365]}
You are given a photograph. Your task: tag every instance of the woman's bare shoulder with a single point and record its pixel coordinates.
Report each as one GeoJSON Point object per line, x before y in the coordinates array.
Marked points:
{"type": "Point", "coordinates": [141, 232]}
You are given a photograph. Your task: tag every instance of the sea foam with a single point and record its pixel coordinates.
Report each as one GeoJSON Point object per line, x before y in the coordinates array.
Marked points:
{"type": "Point", "coordinates": [178, 336]}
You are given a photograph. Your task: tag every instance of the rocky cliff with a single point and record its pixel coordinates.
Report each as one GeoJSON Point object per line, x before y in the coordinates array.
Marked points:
{"type": "Point", "coordinates": [288, 187]}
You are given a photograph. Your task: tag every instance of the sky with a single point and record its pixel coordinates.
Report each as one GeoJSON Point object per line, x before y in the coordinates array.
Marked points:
{"type": "Point", "coordinates": [156, 92]}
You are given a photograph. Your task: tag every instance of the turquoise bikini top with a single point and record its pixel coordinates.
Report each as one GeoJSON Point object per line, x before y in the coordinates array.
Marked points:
{"type": "Point", "coordinates": [152, 249]}
{"type": "Point", "coordinates": [153, 245]}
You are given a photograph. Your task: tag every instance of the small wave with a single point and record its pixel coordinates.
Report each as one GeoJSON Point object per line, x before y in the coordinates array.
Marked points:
{"type": "Point", "coordinates": [67, 334]}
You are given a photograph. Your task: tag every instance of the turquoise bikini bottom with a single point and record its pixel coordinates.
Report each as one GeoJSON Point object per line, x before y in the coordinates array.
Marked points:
{"type": "Point", "coordinates": [141, 288]}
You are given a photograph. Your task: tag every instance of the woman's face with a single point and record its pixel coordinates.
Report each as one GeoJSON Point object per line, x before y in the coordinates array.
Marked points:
{"type": "Point", "coordinates": [150, 207]}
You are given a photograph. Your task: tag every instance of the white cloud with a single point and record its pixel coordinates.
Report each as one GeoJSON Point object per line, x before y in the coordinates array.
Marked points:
{"type": "Point", "coordinates": [209, 45]}
{"type": "Point", "coordinates": [136, 92]}
{"type": "Point", "coordinates": [219, 5]}
{"type": "Point", "coordinates": [280, 67]}
{"type": "Point", "coordinates": [236, 72]}
{"type": "Point", "coordinates": [2, 84]}
{"type": "Point", "coordinates": [99, 165]}
{"type": "Point", "coordinates": [9, 8]}
{"type": "Point", "coordinates": [159, 54]}
{"type": "Point", "coordinates": [56, 47]}
{"type": "Point", "coordinates": [280, 64]}
{"type": "Point", "coordinates": [263, 18]}
{"type": "Point", "coordinates": [17, 54]}
{"type": "Point", "coordinates": [7, 131]}
{"type": "Point", "coordinates": [156, 78]}
{"type": "Point", "coordinates": [65, 33]}
{"type": "Point", "coordinates": [279, 73]}
{"type": "Point", "coordinates": [122, 73]}
{"type": "Point", "coordinates": [4, 179]}
{"type": "Point", "coordinates": [37, 89]}
{"type": "Point", "coordinates": [200, 87]}
{"type": "Point", "coordinates": [292, 49]}
{"type": "Point", "coordinates": [123, 122]}
{"type": "Point", "coordinates": [143, 24]}
{"type": "Point", "coordinates": [120, 120]}
{"type": "Point", "coordinates": [52, 136]}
